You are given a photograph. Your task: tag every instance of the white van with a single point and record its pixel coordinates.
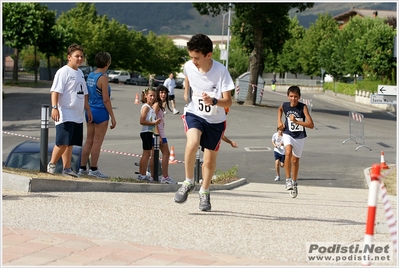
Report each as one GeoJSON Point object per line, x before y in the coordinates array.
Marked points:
{"type": "Point", "coordinates": [117, 76]}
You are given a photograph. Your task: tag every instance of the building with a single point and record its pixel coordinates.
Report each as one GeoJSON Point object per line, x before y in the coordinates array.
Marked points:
{"type": "Point", "coordinates": [344, 18]}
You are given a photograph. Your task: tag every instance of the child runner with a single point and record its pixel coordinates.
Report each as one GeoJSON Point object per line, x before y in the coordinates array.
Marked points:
{"type": "Point", "coordinates": [297, 118]}
{"type": "Point", "coordinates": [279, 151]}
{"type": "Point", "coordinates": [148, 122]}
{"type": "Point", "coordinates": [204, 119]}
{"type": "Point", "coordinates": [161, 99]}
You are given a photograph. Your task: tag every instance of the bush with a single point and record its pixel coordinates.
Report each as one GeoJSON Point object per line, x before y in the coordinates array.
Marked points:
{"type": "Point", "coordinates": [350, 89]}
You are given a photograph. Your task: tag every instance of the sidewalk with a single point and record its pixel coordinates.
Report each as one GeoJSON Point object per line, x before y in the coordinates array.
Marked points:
{"type": "Point", "coordinates": [256, 224]}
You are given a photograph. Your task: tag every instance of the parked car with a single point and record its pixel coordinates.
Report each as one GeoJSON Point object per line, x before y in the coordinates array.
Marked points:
{"type": "Point", "coordinates": [137, 79]}
{"type": "Point", "coordinates": [117, 76]}
{"type": "Point", "coordinates": [26, 155]}
{"type": "Point", "coordinates": [158, 80]}
{"type": "Point", "coordinates": [179, 82]}
{"type": "Point", "coordinates": [86, 70]}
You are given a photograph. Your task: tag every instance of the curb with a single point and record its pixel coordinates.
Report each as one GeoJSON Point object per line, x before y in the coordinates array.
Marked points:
{"type": "Point", "coordinates": [27, 184]}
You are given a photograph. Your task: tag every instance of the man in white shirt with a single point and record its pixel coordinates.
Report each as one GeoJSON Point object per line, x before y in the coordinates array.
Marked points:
{"type": "Point", "coordinates": [170, 84]}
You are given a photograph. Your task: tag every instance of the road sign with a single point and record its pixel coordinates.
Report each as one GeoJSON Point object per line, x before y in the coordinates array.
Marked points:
{"type": "Point", "coordinates": [387, 90]}
{"type": "Point", "coordinates": [382, 99]}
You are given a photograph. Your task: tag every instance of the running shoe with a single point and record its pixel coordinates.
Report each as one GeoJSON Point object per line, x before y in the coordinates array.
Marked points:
{"type": "Point", "coordinates": [97, 173]}
{"type": "Point", "coordinates": [175, 111]}
{"type": "Point", "coordinates": [277, 178]}
{"type": "Point", "coordinates": [183, 192]}
{"type": "Point", "coordinates": [205, 201]}
{"type": "Point", "coordinates": [51, 168]}
{"type": "Point", "coordinates": [288, 185]}
{"type": "Point", "coordinates": [145, 178]}
{"type": "Point", "coordinates": [69, 172]}
{"type": "Point", "coordinates": [82, 172]}
{"type": "Point", "coordinates": [166, 180]}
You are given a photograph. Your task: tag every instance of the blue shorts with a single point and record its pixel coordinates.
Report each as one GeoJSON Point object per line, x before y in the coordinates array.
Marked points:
{"type": "Point", "coordinates": [147, 140]}
{"type": "Point", "coordinates": [278, 156]}
{"type": "Point", "coordinates": [69, 133]}
{"type": "Point", "coordinates": [99, 115]}
{"type": "Point", "coordinates": [211, 133]}
{"type": "Point", "coordinates": [164, 140]}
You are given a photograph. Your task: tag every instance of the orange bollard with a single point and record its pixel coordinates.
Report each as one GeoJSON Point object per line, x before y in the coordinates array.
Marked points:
{"type": "Point", "coordinates": [172, 155]}
{"type": "Point", "coordinates": [137, 99]}
{"type": "Point", "coordinates": [383, 164]}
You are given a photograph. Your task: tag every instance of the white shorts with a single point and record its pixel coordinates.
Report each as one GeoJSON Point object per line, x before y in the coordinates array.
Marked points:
{"type": "Point", "coordinates": [297, 144]}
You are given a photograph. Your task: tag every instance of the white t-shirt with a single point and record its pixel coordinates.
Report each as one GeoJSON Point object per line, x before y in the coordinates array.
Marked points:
{"type": "Point", "coordinates": [71, 86]}
{"type": "Point", "coordinates": [214, 82]}
{"type": "Point", "coordinates": [277, 140]}
{"type": "Point", "coordinates": [170, 84]}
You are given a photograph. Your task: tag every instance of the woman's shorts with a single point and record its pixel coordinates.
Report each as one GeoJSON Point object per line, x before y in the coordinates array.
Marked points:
{"type": "Point", "coordinates": [297, 144]}
{"type": "Point", "coordinates": [69, 133]}
{"type": "Point", "coordinates": [99, 115]}
{"type": "Point", "coordinates": [147, 140]}
{"type": "Point", "coordinates": [171, 97]}
{"type": "Point", "coordinates": [211, 133]}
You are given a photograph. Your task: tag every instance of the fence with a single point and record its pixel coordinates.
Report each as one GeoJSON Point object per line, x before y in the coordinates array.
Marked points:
{"type": "Point", "coordinates": [356, 129]}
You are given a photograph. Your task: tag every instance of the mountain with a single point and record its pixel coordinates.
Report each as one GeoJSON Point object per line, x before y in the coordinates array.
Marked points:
{"type": "Point", "coordinates": [182, 18]}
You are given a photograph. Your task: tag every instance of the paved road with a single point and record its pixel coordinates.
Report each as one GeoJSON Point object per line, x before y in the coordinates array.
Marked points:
{"type": "Point", "coordinates": [326, 161]}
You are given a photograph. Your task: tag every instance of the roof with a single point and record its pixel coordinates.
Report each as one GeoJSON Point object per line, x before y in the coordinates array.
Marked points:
{"type": "Point", "coordinates": [365, 13]}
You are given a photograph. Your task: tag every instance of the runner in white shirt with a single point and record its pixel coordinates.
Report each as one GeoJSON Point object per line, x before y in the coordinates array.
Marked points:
{"type": "Point", "coordinates": [204, 117]}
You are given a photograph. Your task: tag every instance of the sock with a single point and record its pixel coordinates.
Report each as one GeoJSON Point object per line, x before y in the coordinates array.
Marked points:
{"type": "Point", "coordinates": [288, 179]}
{"type": "Point", "coordinates": [190, 180]}
{"type": "Point", "coordinates": [202, 190]}
{"type": "Point", "coordinates": [93, 168]}
{"type": "Point", "coordinates": [83, 167]}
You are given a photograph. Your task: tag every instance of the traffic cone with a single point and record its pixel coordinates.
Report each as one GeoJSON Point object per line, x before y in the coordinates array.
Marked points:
{"type": "Point", "coordinates": [172, 155]}
{"type": "Point", "coordinates": [383, 164]}
{"type": "Point", "coordinates": [137, 99]}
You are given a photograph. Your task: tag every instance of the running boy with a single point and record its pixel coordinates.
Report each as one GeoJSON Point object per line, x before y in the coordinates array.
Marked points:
{"type": "Point", "coordinates": [297, 118]}
{"type": "Point", "coordinates": [69, 100]}
{"type": "Point", "coordinates": [205, 118]}
{"type": "Point", "coordinates": [279, 151]}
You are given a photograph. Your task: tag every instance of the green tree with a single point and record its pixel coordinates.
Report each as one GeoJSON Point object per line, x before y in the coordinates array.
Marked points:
{"type": "Point", "coordinates": [315, 36]}
{"type": "Point", "coordinates": [22, 24]}
{"type": "Point", "coordinates": [288, 58]}
{"type": "Point", "coordinates": [54, 38]}
{"type": "Point", "coordinates": [258, 26]}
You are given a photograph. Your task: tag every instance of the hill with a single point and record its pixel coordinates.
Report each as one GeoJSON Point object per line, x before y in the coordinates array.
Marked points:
{"type": "Point", "coordinates": [182, 18]}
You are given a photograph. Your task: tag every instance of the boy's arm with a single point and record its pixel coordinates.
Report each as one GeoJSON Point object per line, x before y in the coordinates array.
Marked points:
{"type": "Point", "coordinates": [186, 90]}
{"type": "Point", "coordinates": [280, 123]}
{"type": "Point", "coordinates": [55, 113]}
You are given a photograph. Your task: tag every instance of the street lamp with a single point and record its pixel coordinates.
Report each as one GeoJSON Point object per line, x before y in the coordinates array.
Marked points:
{"type": "Point", "coordinates": [223, 51]}
{"type": "Point", "coordinates": [228, 39]}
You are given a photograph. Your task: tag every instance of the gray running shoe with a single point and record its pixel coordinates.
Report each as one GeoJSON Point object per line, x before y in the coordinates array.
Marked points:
{"type": "Point", "coordinates": [69, 172]}
{"type": "Point", "coordinates": [205, 201]}
{"type": "Point", "coordinates": [51, 168]}
{"type": "Point", "coordinates": [183, 192]}
{"type": "Point", "coordinates": [82, 172]}
{"type": "Point", "coordinates": [288, 185]}
{"type": "Point", "coordinates": [97, 173]}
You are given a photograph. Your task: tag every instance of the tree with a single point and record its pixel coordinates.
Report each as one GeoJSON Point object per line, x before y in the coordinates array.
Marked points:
{"type": "Point", "coordinates": [54, 38]}
{"type": "Point", "coordinates": [288, 59]}
{"type": "Point", "coordinates": [21, 27]}
{"type": "Point", "coordinates": [315, 36]}
{"type": "Point", "coordinates": [258, 26]}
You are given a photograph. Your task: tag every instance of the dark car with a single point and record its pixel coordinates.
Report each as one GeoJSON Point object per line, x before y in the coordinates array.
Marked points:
{"type": "Point", "coordinates": [179, 82]}
{"type": "Point", "coordinates": [86, 70]}
{"type": "Point", "coordinates": [158, 80]}
{"type": "Point", "coordinates": [137, 79]}
{"type": "Point", "coordinates": [26, 155]}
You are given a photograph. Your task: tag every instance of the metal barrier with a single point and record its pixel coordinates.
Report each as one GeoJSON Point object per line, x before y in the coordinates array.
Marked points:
{"type": "Point", "coordinates": [356, 129]}
{"type": "Point", "coordinates": [309, 104]}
